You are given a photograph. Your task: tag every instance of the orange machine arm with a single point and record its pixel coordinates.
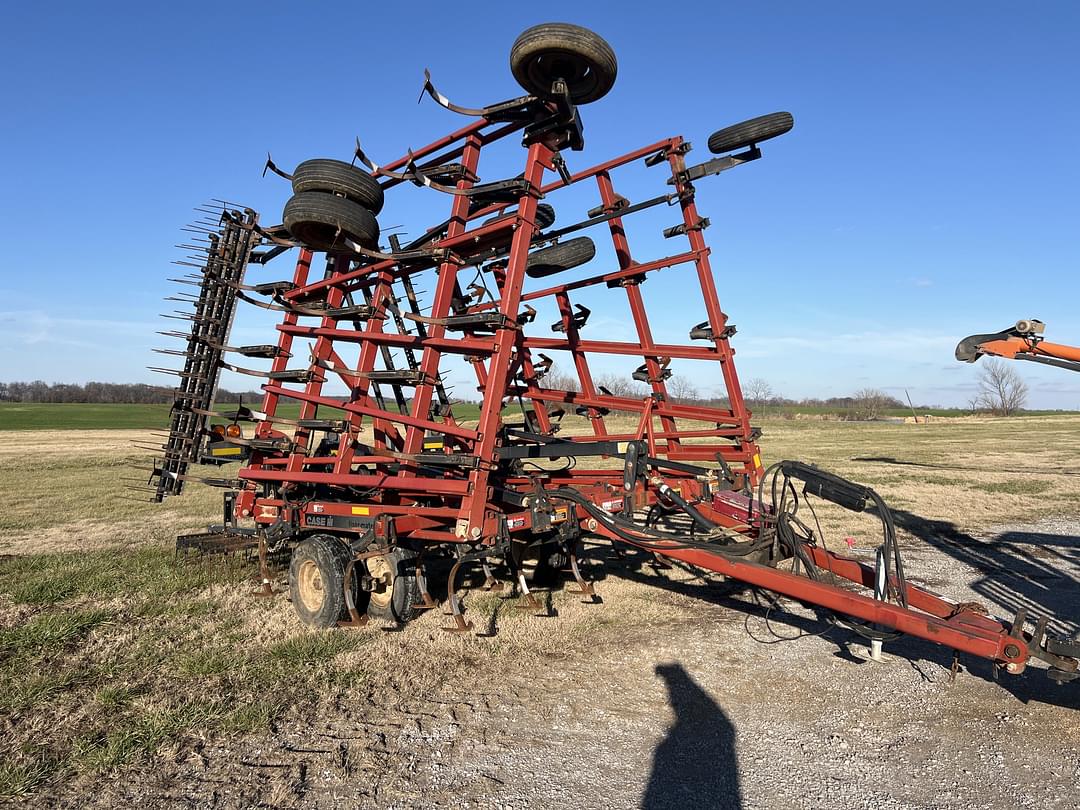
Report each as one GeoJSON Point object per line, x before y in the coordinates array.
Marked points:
{"type": "Point", "coordinates": [1021, 342]}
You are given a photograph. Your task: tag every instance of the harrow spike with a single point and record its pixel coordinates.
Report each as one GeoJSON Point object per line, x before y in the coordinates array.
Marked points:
{"type": "Point", "coordinates": [184, 374]}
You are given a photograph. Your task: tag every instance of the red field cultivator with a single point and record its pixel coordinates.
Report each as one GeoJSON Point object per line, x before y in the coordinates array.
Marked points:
{"type": "Point", "coordinates": [379, 478]}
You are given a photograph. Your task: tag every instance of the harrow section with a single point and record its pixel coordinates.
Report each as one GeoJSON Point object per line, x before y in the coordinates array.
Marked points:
{"type": "Point", "coordinates": [227, 248]}
{"type": "Point", "coordinates": [380, 474]}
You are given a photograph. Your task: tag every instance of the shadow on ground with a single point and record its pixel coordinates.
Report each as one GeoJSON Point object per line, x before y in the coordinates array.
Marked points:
{"type": "Point", "coordinates": [695, 764]}
{"type": "Point", "coordinates": [1032, 685]}
{"type": "Point", "coordinates": [1032, 570]}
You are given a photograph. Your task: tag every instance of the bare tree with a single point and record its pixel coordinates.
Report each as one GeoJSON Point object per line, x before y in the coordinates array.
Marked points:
{"type": "Point", "coordinates": [557, 378]}
{"type": "Point", "coordinates": [869, 403]}
{"type": "Point", "coordinates": [619, 386]}
{"type": "Point", "coordinates": [758, 392]}
{"type": "Point", "coordinates": [681, 389]}
{"type": "Point", "coordinates": [1000, 388]}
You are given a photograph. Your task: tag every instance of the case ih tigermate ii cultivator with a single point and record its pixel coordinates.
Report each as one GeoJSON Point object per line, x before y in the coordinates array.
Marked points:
{"type": "Point", "coordinates": [367, 514]}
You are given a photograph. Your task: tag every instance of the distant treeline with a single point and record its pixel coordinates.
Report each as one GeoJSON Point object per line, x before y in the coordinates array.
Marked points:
{"type": "Point", "coordinates": [106, 393]}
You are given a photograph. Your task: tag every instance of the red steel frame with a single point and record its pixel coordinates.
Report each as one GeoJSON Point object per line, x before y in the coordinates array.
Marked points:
{"type": "Point", "coordinates": [469, 513]}
{"type": "Point", "coordinates": [461, 505]}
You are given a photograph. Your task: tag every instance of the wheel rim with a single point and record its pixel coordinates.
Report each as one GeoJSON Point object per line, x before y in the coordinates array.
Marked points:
{"type": "Point", "coordinates": [382, 577]}
{"type": "Point", "coordinates": [577, 72]}
{"type": "Point", "coordinates": [309, 586]}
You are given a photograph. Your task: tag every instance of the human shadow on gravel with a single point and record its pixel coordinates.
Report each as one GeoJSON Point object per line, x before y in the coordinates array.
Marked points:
{"type": "Point", "coordinates": [695, 764]}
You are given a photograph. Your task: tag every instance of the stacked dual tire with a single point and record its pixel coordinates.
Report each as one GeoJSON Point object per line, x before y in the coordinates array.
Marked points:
{"type": "Point", "coordinates": [333, 203]}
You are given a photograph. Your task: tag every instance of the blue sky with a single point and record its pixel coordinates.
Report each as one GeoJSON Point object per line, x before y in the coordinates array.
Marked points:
{"type": "Point", "coordinates": [927, 191]}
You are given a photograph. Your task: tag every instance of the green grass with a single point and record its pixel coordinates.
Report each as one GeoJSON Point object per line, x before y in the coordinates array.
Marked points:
{"type": "Point", "coordinates": [49, 632]}
{"type": "Point", "coordinates": [19, 777]}
{"type": "Point", "coordinates": [80, 416]}
{"type": "Point", "coordinates": [86, 689]}
{"type": "Point", "coordinates": [85, 416]}
{"type": "Point", "coordinates": [1018, 486]}
{"type": "Point", "coordinates": [147, 573]}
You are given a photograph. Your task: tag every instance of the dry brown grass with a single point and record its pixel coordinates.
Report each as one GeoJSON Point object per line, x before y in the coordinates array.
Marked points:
{"type": "Point", "coordinates": [111, 651]}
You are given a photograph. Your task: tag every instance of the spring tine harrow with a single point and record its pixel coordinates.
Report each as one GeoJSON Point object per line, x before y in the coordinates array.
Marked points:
{"type": "Point", "coordinates": [230, 241]}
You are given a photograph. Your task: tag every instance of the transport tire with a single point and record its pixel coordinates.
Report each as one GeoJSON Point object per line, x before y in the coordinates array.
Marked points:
{"type": "Point", "coordinates": [316, 580]}
{"type": "Point", "coordinates": [397, 590]}
{"type": "Point", "coordinates": [547, 568]}
{"type": "Point", "coordinates": [545, 217]}
{"type": "Point", "coordinates": [750, 132]}
{"type": "Point", "coordinates": [560, 257]}
{"type": "Point", "coordinates": [338, 177]}
{"type": "Point", "coordinates": [323, 221]}
{"type": "Point", "coordinates": [574, 54]}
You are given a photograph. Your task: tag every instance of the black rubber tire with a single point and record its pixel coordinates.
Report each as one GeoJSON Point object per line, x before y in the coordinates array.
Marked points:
{"type": "Point", "coordinates": [545, 217]}
{"type": "Point", "coordinates": [551, 51]}
{"type": "Point", "coordinates": [327, 556]}
{"type": "Point", "coordinates": [338, 177]}
{"type": "Point", "coordinates": [560, 257]}
{"type": "Point", "coordinates": [750, 132]}
{"type": "Point", "coordinates": [405, 589]}
{"type": "Point", "coordinates": [547, 569]}
{"type": "Point", "coordinates": [322, 221]}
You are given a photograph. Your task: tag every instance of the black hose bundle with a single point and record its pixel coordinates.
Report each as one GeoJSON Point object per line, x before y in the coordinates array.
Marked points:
{"type": "Point", "coordinates": [779, 529]}
{"type": "Point", "coordinates": [721, 541]}
{"type": "Point", "coordinates": [793, 535]}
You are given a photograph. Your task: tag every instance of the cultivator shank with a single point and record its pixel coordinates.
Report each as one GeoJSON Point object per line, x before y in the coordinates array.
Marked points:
{"type": "Point", "coordinates": [380, 473]}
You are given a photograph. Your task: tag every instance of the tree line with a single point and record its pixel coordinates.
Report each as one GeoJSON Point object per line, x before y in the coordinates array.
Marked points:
{"type": "Point", "coordinates": [106, 393]}
{"type": "Point", "coordinates": [1001, 391]}
{"type": "Point", "coordinates": [868, 403]}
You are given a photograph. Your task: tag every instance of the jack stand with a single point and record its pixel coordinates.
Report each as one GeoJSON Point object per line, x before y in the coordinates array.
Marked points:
{"type": "Point", "coordinates": [875, 650]}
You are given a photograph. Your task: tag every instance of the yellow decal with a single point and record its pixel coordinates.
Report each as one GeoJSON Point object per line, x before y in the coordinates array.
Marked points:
{"type": "Point", "coordinates": [361, 510]}
{"type": "Point", "coordinates": [757, 460]}
{"type": "Point", "coordinates": [433, 445]}
{"type": "Point", "coordinates": [227, 451]}
{"type": "Point", "coordinates": [561, 513]}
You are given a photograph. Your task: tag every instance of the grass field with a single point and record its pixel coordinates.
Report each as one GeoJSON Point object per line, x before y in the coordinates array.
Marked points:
{"type": "Point", "coordinates": [83, 416]}
{"type": "Point", "coordinates": [112, 653]}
